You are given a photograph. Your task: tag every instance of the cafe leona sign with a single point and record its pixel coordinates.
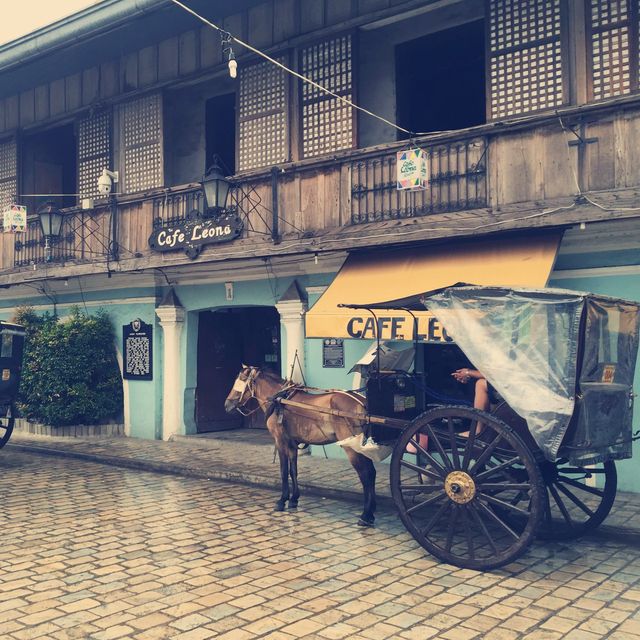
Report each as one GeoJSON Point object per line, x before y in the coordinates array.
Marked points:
{"type": "Point", "coordinates": [196, 232]}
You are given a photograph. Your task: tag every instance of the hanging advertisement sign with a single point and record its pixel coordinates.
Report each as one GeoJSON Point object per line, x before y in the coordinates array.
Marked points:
{"type": "Point", "coordinates": [411, 168]}
{"type": "Point", "coordinates": [15, 219]}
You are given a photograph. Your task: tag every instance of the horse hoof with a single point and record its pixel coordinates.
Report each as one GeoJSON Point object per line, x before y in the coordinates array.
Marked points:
{"type": "Point", "coordinates": [293, 506]}
{"type": "Point", "coordinates": [365, 523]}
{"type": "Point", "coordinates": [279, 507]}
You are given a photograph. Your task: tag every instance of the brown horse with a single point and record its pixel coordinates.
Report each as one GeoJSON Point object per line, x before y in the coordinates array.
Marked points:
{"type": "Point", "coordinates": [291, 426]}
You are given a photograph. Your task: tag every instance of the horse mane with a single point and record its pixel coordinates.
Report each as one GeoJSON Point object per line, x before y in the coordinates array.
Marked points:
{"type": "Point", "coordinates": [271, 375]}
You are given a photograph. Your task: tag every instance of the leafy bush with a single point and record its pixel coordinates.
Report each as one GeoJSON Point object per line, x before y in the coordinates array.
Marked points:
{"type": "Point", "coordinates": [70, 374]}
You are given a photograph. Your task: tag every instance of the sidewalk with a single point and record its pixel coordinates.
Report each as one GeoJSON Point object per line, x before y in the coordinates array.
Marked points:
{"type": "Point", "coordinates": [244, 458]}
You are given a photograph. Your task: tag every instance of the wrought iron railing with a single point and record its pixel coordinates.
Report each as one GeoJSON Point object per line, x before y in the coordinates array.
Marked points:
{"type": "Point", "coordinates": [457, 181]}
{"type": "Point", "coordinates": [30, 245]}
{"type": "Point", "coordinates": [243, 199]}
{"type": "Point", "coordinates": [85, 236]}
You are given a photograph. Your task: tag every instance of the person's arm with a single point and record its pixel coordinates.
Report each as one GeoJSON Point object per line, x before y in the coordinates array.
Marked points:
{"type": "Point", "coordinates": [464, 375]}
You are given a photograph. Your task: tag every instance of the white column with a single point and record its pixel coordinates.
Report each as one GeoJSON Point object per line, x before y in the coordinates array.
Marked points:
{"type": "Point", "coordinates": [292, 321]}
{"type": "Point", "coordinates": [172, 322]}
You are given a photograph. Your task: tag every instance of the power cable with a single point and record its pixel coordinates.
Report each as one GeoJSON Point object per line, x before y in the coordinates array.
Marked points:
{"type": "Point", "coordinates": [291, 71]}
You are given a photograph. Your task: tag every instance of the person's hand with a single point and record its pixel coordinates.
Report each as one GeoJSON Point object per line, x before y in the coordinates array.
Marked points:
{"type": "Point", "coordinates": [462, 375]}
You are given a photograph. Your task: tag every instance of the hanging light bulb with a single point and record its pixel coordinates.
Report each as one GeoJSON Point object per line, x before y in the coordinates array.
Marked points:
{"type": "Point", "coordinates": [233, 65]}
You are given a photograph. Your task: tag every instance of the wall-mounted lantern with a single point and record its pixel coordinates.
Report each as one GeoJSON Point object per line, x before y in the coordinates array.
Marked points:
{"type": "Point", "coordinates": [51, 224]}
{"type": "Point", "coordinates": [216, 188]}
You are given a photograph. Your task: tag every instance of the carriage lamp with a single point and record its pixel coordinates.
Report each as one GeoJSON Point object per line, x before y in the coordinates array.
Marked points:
{"type": "Point", "coordinates": [51, 224]}
{"type": "Point", "coordinates": [215, 187]}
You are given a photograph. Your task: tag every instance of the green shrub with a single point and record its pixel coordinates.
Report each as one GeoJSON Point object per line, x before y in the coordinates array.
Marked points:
{"type": "Point", "coordinates": [70, 374]}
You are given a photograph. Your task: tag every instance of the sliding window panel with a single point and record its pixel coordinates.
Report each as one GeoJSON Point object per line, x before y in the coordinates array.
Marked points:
{"type": "Point", "coordinates": [141, 144]}
{"type": "Point", "coordinates": [613, 37]}
{"type": "Point", "coordinates": [327, 123]}
{"type": "Point", "coordinates": [8, 173]}
{"type": "Point", "coordinates": [263, 138]}
{"type": "Point", "coordinates": [525, 52]}
{"type": "Point", "coordinates": [94, 151]}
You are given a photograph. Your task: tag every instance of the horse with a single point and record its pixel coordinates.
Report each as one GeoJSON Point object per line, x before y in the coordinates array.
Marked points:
{"type": "Point", "coordinates": [291, 426]}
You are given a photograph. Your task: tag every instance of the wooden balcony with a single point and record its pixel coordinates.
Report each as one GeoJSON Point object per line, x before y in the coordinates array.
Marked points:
{"type": "Point", "coordinates": [526, 165]}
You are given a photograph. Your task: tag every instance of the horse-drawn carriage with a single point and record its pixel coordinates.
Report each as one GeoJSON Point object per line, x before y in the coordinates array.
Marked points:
{"type": "Point", "coordinates": [475, 487]}
{"type": "Point", "coordinates": [11, 348]}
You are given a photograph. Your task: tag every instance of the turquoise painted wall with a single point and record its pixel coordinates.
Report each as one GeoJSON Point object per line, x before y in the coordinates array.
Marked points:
{"type": "Point", "coordinates": [144, 396]}
{"type": "Point", "coordinates": [622, 286]}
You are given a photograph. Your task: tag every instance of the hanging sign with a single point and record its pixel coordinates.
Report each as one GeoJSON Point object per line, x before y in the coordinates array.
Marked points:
{"type": "Point", "coordinates": [137, 350]}
{"type": "Point", "coordinates": [195, 233]}
{"type": "Point", "coordinates": [411, 168]}
{"type": "Point", "coordinates": [333, 353]}
{"type": "Point", "coordinates": [15, 219]}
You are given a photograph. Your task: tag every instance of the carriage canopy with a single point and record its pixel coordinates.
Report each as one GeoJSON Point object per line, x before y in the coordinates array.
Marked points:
{"type": "Point", "coordinates": [548, 352]}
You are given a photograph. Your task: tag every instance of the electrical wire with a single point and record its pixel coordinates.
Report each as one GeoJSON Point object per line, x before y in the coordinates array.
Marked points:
{"type": "Point", "coordinates": [291, 71]}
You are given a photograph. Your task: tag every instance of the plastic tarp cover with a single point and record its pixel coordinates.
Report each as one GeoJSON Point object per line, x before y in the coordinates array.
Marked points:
{"type": "Point", "coordinates": [603, 430]}
{"type": "Point", "coordinates": [524, 344]}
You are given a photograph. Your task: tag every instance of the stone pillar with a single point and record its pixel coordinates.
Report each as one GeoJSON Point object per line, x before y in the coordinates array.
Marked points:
{"type": "Point", "coordinates": [171, 314]}
{"type": "Point", "coordinates": [292, 307]}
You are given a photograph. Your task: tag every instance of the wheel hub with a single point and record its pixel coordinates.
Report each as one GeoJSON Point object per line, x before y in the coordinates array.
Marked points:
{"type": "Point", "coordinates": [460, 487]}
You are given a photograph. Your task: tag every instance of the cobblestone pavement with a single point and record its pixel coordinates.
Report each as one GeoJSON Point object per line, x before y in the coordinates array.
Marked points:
{"type": "Point", "coordinates": [249, 458]}
{"type": "Point", "coordinates": [102, 552]}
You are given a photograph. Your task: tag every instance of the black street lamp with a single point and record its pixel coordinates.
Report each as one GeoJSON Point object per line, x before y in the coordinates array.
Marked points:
{"type": "Point", "coordinates": [51, 225]}
{"type": "Point", "coordinates": [215, 187]}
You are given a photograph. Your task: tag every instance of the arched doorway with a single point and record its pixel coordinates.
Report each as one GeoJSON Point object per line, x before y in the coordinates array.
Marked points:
{"type": "Point", "coordinates": [228, 338]}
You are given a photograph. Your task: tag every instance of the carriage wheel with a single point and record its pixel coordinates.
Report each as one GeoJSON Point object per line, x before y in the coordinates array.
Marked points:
{"type": "Point", "coordinates": [573, 506]}
{"type": "Point", "coordinates": [6, 425]}
{"type": "Point", "coordinates": [458, 493]}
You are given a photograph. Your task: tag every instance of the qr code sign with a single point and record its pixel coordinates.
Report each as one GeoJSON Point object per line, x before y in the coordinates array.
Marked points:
{"type": "Point", "coordinates": [138, 356]}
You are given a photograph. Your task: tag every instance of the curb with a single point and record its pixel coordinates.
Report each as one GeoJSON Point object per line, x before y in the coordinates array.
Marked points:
{"type": "Point", "coordinates": [167, 468]}
{"type": "Point", "coordinates": [630, 537]}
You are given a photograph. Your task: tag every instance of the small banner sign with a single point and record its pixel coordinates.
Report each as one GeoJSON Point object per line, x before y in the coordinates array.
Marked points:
{"type": "Point", "coordinates": [15, 219]}
{"type": "Point", "coordinates": [137, 350]}
{"type": "Point", "coordinates": [411, 167]}
{"type": "Point", "coordinates": [333, 353]}
{"type": "Point", "coordinates": [195, 233]}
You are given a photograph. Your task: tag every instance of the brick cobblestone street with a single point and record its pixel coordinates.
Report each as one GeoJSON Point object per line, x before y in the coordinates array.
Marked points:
{"type": "Point", "coordinates": [101, 552]}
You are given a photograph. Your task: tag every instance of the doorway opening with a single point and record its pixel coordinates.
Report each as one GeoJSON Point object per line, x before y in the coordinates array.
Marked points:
{"type": "Point", "coordinates": [50, 166]}
{"type": "Point", "coordinates": [440, 80]}
{"type": "Point", "coordinates": [228, 338]}
{"type": "Point", "coordinates": [220, 126]}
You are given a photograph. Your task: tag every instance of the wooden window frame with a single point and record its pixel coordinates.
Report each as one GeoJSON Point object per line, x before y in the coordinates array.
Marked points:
{"type": "Point", "coordinates": [16, 176]}
{"type": "Point", "coordinates": [119, 148]}
{"type": "Point", "coordinates": [632, 22]}
{"type": "Point", "coordinates": [563, 41]}
{"type": "Point", "coordinates": [299, 106]}
{"type": "Point", "coordinates": [285, 55]}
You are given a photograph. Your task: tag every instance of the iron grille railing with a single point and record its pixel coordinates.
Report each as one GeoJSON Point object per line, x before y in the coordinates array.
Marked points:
{"type": "Point", "coordinates": [175, 208]}
{"type": "Point", "coordinates": [457, 181]}
{"type": "Point", "coordinates": [30, 245]}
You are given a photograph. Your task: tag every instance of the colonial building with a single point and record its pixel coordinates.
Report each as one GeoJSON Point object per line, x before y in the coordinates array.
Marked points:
{"type": "Point", "coordinates": [528, 112]}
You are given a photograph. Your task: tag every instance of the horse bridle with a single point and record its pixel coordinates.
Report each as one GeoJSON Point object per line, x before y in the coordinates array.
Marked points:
{"type": "Point", "coordinates": [248, 383]}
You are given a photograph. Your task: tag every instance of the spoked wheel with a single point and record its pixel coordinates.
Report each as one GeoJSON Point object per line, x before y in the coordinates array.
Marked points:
{"type": "Point", "coordinates": [459, 487]}
{"type": "Point", "coordinates": [578, 498]}
{"type": "Point", "coordinates": [6, 424]}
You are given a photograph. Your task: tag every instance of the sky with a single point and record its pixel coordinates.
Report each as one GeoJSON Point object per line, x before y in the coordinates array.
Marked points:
{"type": "Point", "coordinates": [19, 17]}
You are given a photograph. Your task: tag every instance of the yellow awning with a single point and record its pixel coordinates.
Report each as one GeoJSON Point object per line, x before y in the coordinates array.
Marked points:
{"type": "Point", "coordinates": [389, 275]}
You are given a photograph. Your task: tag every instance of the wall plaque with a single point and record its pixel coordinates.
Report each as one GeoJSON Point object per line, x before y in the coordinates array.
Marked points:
{"type": "Point", "coordinates": [196, 232]}
{"type": "Point", "coordinates": [333, 353]}
{"type": "Point", "coordinates": [137, 350]}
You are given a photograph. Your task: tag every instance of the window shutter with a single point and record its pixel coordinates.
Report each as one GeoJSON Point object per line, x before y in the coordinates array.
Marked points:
{"type": "Point", "coordinates": [141, 144]}
{"type": "Point", "coordinates": [613, 30]}
{"type": "Point", "coordinates": [327, 123]}
{"type": "Point", "coordinates": [94, 152]}
{"type": "Point", "coordinates": [263, 126]}
{"type": "Point", "coordinates": [8, 173]}
{"type": "Point", "coordinates": [525, 53]}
